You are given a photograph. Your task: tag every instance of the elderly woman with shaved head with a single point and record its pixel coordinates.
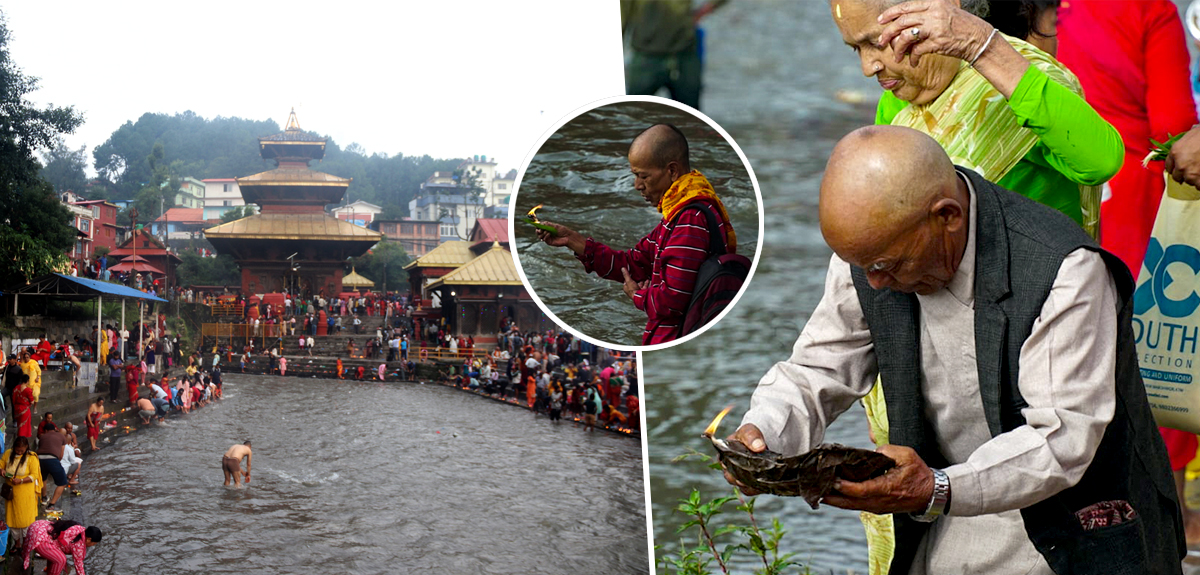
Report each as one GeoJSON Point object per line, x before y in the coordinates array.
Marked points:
{"type": "Point", "coordinates": [997, 104]}
{"type": "Point", "coordinates": [1016, 411]}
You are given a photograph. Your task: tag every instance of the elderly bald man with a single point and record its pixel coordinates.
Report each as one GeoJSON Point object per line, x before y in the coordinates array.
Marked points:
{"type": "Point", "coordinates": [1016, 411]}
{"type": "Point", "coordinates": [659, 273]}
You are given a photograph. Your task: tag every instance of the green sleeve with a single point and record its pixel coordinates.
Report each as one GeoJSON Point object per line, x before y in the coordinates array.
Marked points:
{"type": "Point", "coordinates": [889, 106]}
{"type": "Point", "coordinates": [1074, 139]}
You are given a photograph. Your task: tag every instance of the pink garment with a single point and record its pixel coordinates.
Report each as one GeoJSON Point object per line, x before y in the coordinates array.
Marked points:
{"type": "Point", "coordinates": [283, 366]}
{"type": "Point", "coordinates": [382, 371]}
{"type": "Point", "coordinates": [38, 539]}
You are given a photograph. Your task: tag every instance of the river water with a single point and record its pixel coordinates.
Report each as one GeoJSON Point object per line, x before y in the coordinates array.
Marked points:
{"type": "Point", "coordinates": [367, 478]}
{"type": "Point", "coordinates": [773, 73]}
{"type": "Point", "coordinates": [581, 176]}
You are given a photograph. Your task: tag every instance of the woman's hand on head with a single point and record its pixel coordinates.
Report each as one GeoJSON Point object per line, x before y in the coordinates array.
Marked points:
{"type": "Point", "coordinates": [941, 28]}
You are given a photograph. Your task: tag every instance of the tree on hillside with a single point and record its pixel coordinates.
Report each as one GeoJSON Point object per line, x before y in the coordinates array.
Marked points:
{"type": "Point", "coordinates": [385, 261]}
{"type": "Point", "coordinates": [193, 146]}
{"type": "Point", "coordinates": [157, 195]}
{"type": "Point", "coordinates": [198, 271]}
{"type": "Point", "coordinates": [228, 148]}
{"type": "Point", "coordinates": [235, 214]}
{"type": "Point", "coordinates": [472, 193]}
{"type": "Point", "coordinates": [36, 231]}
{"type": "Point", "coordinates": [65, 168]}
{"type": "Point", "coordinates": [392, 212]}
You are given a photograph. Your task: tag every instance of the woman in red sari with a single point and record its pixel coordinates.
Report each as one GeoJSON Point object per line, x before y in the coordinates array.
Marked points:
{"type": "Point", "coordinates": [22, 400]}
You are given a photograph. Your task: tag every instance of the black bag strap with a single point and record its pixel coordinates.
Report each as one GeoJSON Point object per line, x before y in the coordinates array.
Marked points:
{"type": "Point", "coordinates": [716, 243]}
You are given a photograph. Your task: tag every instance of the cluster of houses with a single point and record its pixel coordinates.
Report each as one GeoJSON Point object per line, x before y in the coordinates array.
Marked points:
{"type": "Point", "coordinates": [442, 211]}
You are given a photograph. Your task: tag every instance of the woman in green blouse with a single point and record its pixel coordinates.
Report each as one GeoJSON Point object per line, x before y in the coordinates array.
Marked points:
{"type": "Point", "coordinates": [997, 104]}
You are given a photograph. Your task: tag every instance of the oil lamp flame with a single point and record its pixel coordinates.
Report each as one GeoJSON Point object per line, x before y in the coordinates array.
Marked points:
{"type": "Point", "coordinates": [533, 213]}
{"type": "Point", "coordinates": [712, 427]}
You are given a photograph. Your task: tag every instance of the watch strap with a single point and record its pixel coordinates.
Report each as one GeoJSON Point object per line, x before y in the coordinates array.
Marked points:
{"type": "Point", "coordinates": [939, 501]}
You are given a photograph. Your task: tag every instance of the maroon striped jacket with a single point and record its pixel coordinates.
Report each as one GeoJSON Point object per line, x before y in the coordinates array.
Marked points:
{"type": "Point", "coordinates": [669, 256]}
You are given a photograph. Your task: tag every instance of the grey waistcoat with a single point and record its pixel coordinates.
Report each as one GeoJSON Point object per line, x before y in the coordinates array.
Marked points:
{"type": "Point", "coordinates": [1020, 246]}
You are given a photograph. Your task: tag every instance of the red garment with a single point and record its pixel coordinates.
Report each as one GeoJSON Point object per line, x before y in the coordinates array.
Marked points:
{"type": "Point", "coordinates": [669, 258]}
{"type": "Point", "coordinates": [1181, 447]}
{"type": "Point", "coordinates": [631, 406]}
{"type": "Point", "coordinates": [93, 425]}
{"type": "Point", "coordinates": [22, 399]}
{"type": "Point", "coordinates": [132, 377]}
{"type": "Point", "coordinates": [614, 393]}
{"type": "Point", "coordinates": [42, 352]}
{"type": "Point", "coordinates": [1131, 58]}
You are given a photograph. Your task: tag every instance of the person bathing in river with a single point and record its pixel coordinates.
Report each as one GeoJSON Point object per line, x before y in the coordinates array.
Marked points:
{"type": "Point", "coordinates": [95, 414]}
{"type": "Point", "coordinates": [659, 273]}
{"type": "Point", "coordinates": [145, 409]}
{"type": "Point", "coordinates": [231, 463]}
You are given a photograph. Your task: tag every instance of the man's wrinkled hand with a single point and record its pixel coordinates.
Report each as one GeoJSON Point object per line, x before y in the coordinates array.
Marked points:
{"type": "Point", "coordinates": [563, 237]}
{"type": "Point", "coordinates": [906, 488]}
{"type": "Point", "coordinates": [750, 436]}
{"type": "Point", "coordinates": [631, 287]}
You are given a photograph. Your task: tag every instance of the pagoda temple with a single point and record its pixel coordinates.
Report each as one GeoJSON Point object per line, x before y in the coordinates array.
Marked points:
{"type": "Point", "coordinates": [292, 244]}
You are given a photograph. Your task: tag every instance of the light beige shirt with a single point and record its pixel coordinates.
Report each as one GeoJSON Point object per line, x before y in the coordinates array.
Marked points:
{"type": "Point", "coordinates": [1067, 377]}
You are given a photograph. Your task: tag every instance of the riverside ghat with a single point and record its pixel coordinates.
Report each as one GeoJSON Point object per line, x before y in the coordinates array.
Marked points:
{"type": "Point", "coordinates": [366, 473]}
{"type": "Point", "coordinates": [372, 473]}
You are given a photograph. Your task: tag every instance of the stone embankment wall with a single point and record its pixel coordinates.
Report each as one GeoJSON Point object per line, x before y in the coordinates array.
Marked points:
{"type": "Point", "coordinates": [33, 327]}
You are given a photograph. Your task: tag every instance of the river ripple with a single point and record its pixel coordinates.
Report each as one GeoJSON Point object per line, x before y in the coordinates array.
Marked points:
{"type": "Point", "coordinates": [367, 478]}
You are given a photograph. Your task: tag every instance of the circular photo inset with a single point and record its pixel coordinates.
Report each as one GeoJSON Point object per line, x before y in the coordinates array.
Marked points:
{"type": "Point", "coordinates": [637, 222]}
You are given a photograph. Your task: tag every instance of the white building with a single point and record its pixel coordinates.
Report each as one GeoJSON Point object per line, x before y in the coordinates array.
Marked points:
{"type": "Point", "coordinates": [221, 195]}
{"type": "Point", "coordinates": [496, 186]}
{"type": "Point", "coordinates": [446, 204]}
{"type": "Point", "coordinates": [359, 213]}
{"type": "Point", "coordinates": [442, 199]}
{"type": "Point", "coordinates": [502, 189]}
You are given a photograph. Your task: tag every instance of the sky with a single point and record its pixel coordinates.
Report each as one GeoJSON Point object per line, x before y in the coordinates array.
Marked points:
{"type": "Point", "coordinates": [443, 78]}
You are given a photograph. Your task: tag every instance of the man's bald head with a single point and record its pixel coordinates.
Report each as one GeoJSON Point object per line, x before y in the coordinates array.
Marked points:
{"type": "Point", "coordinates": [889, 196]}
{"type": "Point", "coordinates": [657, 157]}
{"type": "Point", "coordinates": [662, 144]}
{"type": "Point", "coordinates": [881, 180]}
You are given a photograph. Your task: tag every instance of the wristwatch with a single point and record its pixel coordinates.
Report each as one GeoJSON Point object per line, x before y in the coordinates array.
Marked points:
{"type": "Point", "coordinates": [940, 500]}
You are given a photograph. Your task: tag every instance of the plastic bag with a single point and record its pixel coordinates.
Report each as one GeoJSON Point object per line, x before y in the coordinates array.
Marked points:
{"type": "Point", "coordinates": [1166, 311]}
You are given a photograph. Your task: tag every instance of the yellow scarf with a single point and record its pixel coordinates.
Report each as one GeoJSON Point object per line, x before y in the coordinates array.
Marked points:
{"type": "Point", "coordinates": [691, 186]}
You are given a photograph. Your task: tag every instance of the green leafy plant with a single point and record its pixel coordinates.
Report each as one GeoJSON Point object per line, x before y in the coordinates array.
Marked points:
{"type": "Point", "coordinates": [1160, 150]}
{"type": "Point", "coordinates": [720, 539]}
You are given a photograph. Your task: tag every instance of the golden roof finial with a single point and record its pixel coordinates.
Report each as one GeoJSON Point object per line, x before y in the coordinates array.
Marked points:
{"type": "Point", "coordinates": [293, 123]}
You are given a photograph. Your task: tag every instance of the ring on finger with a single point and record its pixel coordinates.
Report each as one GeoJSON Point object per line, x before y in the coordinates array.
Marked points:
{"type": "Point", "coordinates": [916, 32]}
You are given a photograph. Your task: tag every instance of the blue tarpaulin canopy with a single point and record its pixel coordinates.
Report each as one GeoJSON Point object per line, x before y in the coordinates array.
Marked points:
{"type": "Point", "coordinates": [65, 287]}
